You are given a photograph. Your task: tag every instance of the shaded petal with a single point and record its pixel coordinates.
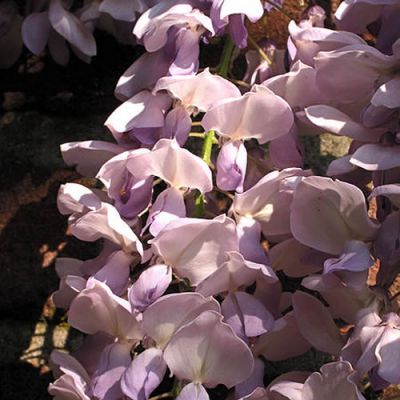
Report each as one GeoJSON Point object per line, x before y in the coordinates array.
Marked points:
{"type": "Point", "coordinates": [392, 192]}
{"type": "Point", "coordinates": [194, 91]}
{"type": "Point", "coordinates": [387, 94]}
{"type": "Point", "coordinates": [160, 324]}
{"type": "Point", "coordinates": [355, 257]}
{"type": "Point", "coordinates": [231, 166]}
{"type": "Point", "coordinates": [88, 156]}
{"type": "Point", "coordinates": [207, 351]}
{"type": "Point", "coordinates": [193, 391]}
{"type": "Point", "coordinates": [259, 114]}
{"type": "Point", "coordinates": [144, 374]}
{"type": "Point", "coordinates": [143, 110]}
{"type": "Point", "coordinates": [71, 28]}
{"type": "Point", "coordinates": [232, 274]}
{"type": "Point", "coordinates": [246, 315]}
{"type": "Point", "coordinates": [326, 213]}
{"type": "Point", "coordinates": [97, 309]}
{"type": "Point", "coordinates": [35, 32]}
{"type": "Point", "coordinates": [283, 342]}
{"type": "Point", "coordinates": [75, 198]}
{"type": "Point", "coordinates": [113, 362]}
{"type": "Point", "coordinates": [332, 383]}
{"type": "Point", "coordinates": [115, 273]}
{"type": "Point", "coordinates": [337, 122]}
{"type": "Point", "coordinates": [151, 284]}
{"type": "Point", "coordinates": [177, 166]}
{"type": "Point", "coordinates": [376, 157]}
{"type": "Point", "coordinates": [202, 246]}
{"type": "Point", "coordinates": [106, 223]}
{"type": "Point", "coordinates": [316, 324]}
{"type": "Point", "coordinates": [168, 206]}
{"type": "Point", "coordinates": [290, 256]}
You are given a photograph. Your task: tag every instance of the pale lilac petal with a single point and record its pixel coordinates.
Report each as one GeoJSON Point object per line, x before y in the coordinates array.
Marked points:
{"type": "Point", "coordinates": [349, 74]}
{"type": "Point", "coordinates": [69, 288]}
{"type": "Point", "coordinates": [268, 201]}
{"type": "Point", "coordinates": [202, 246]}
{"type": "Point", "coordinates": [355, 15]}
{"type": "Point", "coordinates": [355, 257]}
{"type": "Point", "coordinates": [71, 28]}
{"type": "Point", "coordinates": [160, 323]}
{"type": "Point", "coordinates": [68, 388]}
{"type": "Point", "coordinates": [259, 114]}
{"type": "Point", "coordinates": [257, 394]}
{"type": "Point", "coordinates": [287, 151]}
{"type": "Point", "coordinates": [124, 10]}
{"type": "Point", "coordinates": [89, 353]}
{"type": "Point", "coordinates": [246, 315]}
{"type": "Point", "coordinates": [332, 383]}
{"type": "Point", "coordinates": [284, 341]}
{"type": "Point", "coordinates": [68, 266]}
{"type": "Point", "coordinates": [326, 213]}
{"type": "Point", "coordinates": [387, 94]}
{"type": "Point", "coordinates": [131, 195]}
{"type": "Point", "coordinates": [106, 223]}
{"type": "Point", "coordinates": [177, 125]}
{"type": "Point", "coordinates": [97, 309]}
{"type": "Point", "coordinates": [298, 87]}
{"type": "Point", "coordinates": [341, 166]}
{"type": "Point", "coordinates": [113, 362]}
{"type": "Point", "coordinates": [74, 384]}
{"type": "Point", "coordinates": [154, 24]}
{"type": "Point", "coordinates": [35, 32]}
{"type": "Point", "coordinates": [178, 167]}
{"type": "Point", "coordinates": [254, 381]}
{"type": "Point", "coordinates": [115, 273]}
{"type": "Point", "coordinates": [249, 235]}
{"type": "Point", "coordinates": [168, 206]}
{"type": "Point", "coordinates": [232, 274]}
{"type": "Point", "coordinates": [207, 351]}
{"type": "Point", "coordinates": [332, 120]}
{"type": "Point", "coordinates": [143, 110]}
{"type": "Point", "coordinates": [194, 91]}
{"type": "Point", "coordinates": [88, 156]}
{"type": "Point", "coordinates": [374, 116]}
{"type": "Point", "coordinates": [69, 365]}
{"type": "Point", "coordinates": [316, 324]}
{"type": "Point", "coordinates": [151, 284]}
{"type": "Point", "coordinates": [344, 301]}
{"type": "Point", "coordinates": [144, 374]}
{"type": "Point", "coordinates": [231, 166]}
{"type": "Point", "coordinates": [253, 9]}
{"type": "Point", "coordinates": [388, 351]}
{"type": "Point", "coordinates": [290, 256]}
{"type": "Point", "coordinates": [376, 157]}
{"type": "Point", "coordinates": [310, 40]}
{"type": "Point", "coordinates": [75, 198]}
{"type": "Point", "coordinates": [392, 192]}
{"type": "Point", "coordinates": [142, 74]}
{"type": "Point", "coordinates": [193, 391]}
{"type": "Point", "coordinates": [287, 390]}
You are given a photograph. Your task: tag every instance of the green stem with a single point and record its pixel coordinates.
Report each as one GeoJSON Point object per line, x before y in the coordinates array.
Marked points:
{"type": "Point", "coordinates": [207, 147]}
{"type": "Point", "coordinates": [209, 139]}
{"type": "Point", "coordinates": [223, 67]}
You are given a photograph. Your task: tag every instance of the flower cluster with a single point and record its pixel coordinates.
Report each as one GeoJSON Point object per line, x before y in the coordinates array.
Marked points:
{"type": "Point", "coordinates": [196, 246]}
